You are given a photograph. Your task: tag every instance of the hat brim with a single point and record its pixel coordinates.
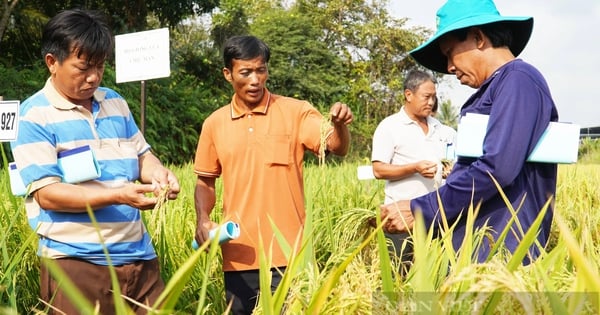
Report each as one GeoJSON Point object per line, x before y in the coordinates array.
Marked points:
{"type": "Point", "coordinates": [430, 56]}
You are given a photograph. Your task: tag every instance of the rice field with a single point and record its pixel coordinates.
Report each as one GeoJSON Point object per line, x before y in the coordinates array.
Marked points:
{"type": "Point", "coordinates": [343, 266]}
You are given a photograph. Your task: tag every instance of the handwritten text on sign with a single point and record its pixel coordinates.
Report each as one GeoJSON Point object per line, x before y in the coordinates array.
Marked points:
{"type": "Point", "coordinates": [142, 55]}
{"type": "Point", "coordinates": [9, 120]}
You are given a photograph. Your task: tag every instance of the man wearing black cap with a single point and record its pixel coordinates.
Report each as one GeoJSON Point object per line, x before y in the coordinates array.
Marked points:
{"type": "Point", "coordinates": [478, 45]}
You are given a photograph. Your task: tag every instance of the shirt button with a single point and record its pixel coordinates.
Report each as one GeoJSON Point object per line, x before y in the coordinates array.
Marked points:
{"type": "Point", "coordinates": [251, 129]}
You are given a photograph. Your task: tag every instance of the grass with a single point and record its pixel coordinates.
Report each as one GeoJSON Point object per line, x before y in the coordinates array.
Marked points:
{"type": "Point", "coordinates": [342, 266]}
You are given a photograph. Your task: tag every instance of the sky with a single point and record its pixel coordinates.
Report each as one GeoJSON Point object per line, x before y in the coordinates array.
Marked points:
{"type": "Point", "coordinates": [564, 46]}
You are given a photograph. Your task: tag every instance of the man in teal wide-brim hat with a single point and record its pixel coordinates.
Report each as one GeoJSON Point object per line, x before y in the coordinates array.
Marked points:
{"type": "Point", "coordinates": [479, 46]}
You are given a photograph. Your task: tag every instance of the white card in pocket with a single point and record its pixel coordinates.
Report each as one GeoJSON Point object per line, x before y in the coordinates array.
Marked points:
{"type": "Point", "coordinates": [78, 165]}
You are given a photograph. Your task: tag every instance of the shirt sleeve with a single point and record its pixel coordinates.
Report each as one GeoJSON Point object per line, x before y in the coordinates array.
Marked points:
{"type": "Point", "coordinates": [310, 128]}
{"type": "Point", "coordinates": [383, 144]}
{"type": "Point", "coordinates": [206, 161]}
{"type": "Point", "coordinates": [34, 152]}
{"type": "Point", "coordinates": [517, 120]}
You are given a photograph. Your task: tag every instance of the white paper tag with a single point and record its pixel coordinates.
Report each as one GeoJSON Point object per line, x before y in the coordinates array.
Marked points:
{"type": "Point", "coordinates": [16, 182]}
{"type": "Point", "coordinates": [9, 120]}
{"type": "Point", "coordinates": [78, 165]}
{"type": "Point", "coordinates": [365, 172]}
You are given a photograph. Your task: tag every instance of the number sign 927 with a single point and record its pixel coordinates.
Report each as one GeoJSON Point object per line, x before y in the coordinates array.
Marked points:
{"type": "Point", "coordinates": [9, 120]}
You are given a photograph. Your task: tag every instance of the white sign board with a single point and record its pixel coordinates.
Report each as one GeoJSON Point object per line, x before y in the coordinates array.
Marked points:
{"type": "Point", "coordinates": [9, 120]}
{"type": "Point", "coordinates": [142, 55]}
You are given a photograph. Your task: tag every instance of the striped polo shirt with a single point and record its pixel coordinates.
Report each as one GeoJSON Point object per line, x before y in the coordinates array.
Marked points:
{"type": "Point", "coordinates": [49, 124]}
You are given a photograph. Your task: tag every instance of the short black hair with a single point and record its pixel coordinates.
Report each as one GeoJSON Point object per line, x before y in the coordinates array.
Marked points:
{"type": "Point", "coordinates": [244, 47]}
{"type": "Point", "coordinates": [499, 33]}
{"type": "Point", "coordinates": [83, 32]}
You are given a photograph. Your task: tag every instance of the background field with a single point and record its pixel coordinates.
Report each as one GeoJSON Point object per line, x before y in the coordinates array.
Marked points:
{"type": "Point", "coordinates": [344, 267]}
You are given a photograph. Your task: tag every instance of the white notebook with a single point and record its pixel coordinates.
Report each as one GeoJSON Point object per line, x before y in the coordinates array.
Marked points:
{"type": "Point", "coordinates": [559, 142]}
{"type": "Point", "coordinates": [16, 182]}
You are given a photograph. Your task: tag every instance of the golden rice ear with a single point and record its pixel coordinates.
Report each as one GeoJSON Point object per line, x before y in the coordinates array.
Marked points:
{"type": "Point", "coordinates": [447, 166]}
{"type": "Point", "coordinates": [325, 127]}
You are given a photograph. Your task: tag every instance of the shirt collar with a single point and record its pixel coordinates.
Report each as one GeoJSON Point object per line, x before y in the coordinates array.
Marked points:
{"type": "Point", "coordinates": [238, 110]}
{"type": "Point", "coordinates": [60, 102]}
{"type": "Point", "coordinates": [431, 122]}
{"type": "Point", "coordinates": [404, 116]}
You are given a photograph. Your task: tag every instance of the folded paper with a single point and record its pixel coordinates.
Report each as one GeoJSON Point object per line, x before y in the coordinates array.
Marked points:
{"type": "Point", "coordinates": [227, 231]}
{"type": "Point", "coordinates": [365, 172]}
{"type": "Point", "coordinates": [78, 165]}
{"type": "Point", "coordinates": [558, 144]}
{"type": "Point", "coordinates": [16, 182]}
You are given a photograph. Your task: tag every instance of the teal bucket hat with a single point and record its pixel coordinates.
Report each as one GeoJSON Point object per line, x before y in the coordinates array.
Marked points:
{"type": "Point", "coordinates": [458, 14]}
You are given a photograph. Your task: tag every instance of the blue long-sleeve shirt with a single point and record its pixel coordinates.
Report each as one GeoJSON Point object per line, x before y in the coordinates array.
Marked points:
{"type": "Point", "coordinates": [518, 101]}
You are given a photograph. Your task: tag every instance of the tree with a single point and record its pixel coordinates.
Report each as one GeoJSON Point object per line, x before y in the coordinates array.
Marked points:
{"type": "Point", "coordinates": [171, 12]}
{"type": "Point", "coordinates": [7, 7]}
{"type": "Point", "coordinates": [374, 49]}
{"type": "Point", "coordinates": [23, 21]}
{"type": "Point", "coordinates": [231, 20]}
{"type": "Point", "coordinates": [131, 15]}
{"type": "Point", "coordinates": [301, 65]}
{"type": "Point", "coordinates": [447, 114]}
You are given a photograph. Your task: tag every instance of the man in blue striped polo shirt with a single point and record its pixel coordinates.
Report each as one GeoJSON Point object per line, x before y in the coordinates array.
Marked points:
{"type": "Point", "coordinates": [72, 113]}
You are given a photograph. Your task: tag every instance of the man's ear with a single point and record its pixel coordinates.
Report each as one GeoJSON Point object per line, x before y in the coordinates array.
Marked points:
{"type": "Point", "coordinates": [407, 94]}
{"type": "Point", "coordinates": [479, 37]}
{"type": "Point", "coordinates": [51, 63]}
{"type": "Point", "coordinates": [227, 74]}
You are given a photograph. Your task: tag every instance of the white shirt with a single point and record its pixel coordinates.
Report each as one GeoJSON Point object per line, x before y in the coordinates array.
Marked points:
{"type": "Point", "coordinates": [399, 140]}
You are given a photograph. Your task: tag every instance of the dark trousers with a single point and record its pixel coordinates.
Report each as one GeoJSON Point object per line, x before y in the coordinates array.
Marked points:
{"type": "Point", "coordinates": [401, 250]}
{"type": "Point", "coordinates": [242, 288]}
{"type": "Point", "coordinates": [140, 281]}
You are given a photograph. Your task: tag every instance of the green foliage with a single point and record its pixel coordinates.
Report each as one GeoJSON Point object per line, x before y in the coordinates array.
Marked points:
{"type": "Point", "coordinates": [171, 12]}
{"type": "Point", "coordinates": [20, 45]}
{"type": "Point", "coordinates": [175, 106]}
{"type": "Point", "coordinates": [175, 109]}
{"type": "Point", "coordinates": [447, 114]}
{"type": "Point", "coordinates": [20, 83]}
{"type": "Point", "coordinates": [589, 150]}
{"type": "Point", "coordinates": [374, 47]}
{"type": "Point", "coordinates": [19, 276]}
{"type": "Point", "coordinates": [301, 64]}
{"type": "Point", "coordinates": [231, 20]}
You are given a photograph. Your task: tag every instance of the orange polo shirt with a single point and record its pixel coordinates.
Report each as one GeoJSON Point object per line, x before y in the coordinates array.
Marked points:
{"type": "Point", "coordinates": [259, 156]}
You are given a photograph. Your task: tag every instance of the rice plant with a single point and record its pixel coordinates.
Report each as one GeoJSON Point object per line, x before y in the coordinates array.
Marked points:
{"type": "Point", "coordinates": [342, 265]}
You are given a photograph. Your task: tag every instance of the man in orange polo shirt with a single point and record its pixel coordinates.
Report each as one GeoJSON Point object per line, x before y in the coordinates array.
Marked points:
{"type": "Point", "coordinates": [256, 144]}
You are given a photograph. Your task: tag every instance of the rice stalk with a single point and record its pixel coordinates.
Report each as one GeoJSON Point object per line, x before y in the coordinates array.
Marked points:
{"type": "Point", "coordinates": [325, 130]}
{"type": "Point", "coordinates": [319, 299]}
{"type": "Point", "coordinates": [162, 198]}
{"type": "Point", "coordinates": [558, 278]}
{"type": "Point", "coordinates": [587, 270]}
{"type": "Point", "coordinates": [356, 289]}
